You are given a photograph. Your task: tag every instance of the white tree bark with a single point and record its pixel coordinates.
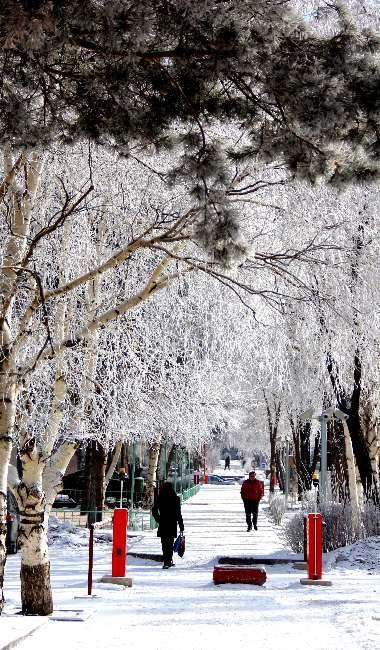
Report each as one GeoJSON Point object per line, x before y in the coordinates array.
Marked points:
{"type": "Point", "coordinates": [5, 457]}
{"type": "Point", "coordinates": [22, 201]}
{"type": "Point", "coordinates": [36, 593]}
{"type": "Point", "coordinates": [115, 458]}
{"type": "Point", "coordinates": [373, 442]}
{"type": "Point", "coordinates": [352, 482]}
{"type": "Point", "coordinates": [154, 451]}
{"type": "Point", "coordinates": [52, 479]}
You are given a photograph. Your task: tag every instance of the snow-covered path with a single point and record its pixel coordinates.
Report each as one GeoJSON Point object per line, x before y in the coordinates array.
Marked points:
{"type": "Point", "coordinates": [215, 525]}
{"type": "Point", "coordinates": [181, 609]}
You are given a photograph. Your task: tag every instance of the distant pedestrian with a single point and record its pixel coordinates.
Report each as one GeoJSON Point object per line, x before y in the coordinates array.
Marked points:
{"type": "Point", "coordinates": [167, 513]}
{"type": "Point", "coordinates": [251, 492]}
{"type": "Point", "coordinates": [227, 462]}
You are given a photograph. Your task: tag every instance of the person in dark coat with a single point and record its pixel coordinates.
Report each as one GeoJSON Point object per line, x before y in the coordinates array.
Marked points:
{"type": "Point", "coordinates": [251, 492]}
{"type": "Point", "coordinates": [227, 462]}
{"type": "Point", "coordinates": [167, 513]}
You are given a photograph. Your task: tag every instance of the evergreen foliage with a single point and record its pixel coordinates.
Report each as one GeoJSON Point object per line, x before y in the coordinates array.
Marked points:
{"type": "Point", "coordinates": [119, 73]}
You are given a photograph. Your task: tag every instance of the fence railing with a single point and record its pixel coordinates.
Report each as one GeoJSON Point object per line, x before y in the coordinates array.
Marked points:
{"type": "Point", "coordinates": [138, 519]}
{"type": "Point", "coordinates": [80, 518]}
{"type": "Point", "coordinates": [190, 492]}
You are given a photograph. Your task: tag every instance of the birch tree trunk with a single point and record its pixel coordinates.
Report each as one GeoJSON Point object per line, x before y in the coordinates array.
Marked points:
{"type": "Point", "coordinates": [54, 471]}
{"type": "Point", "coordinates": [372, 434]}
{"type": "Point", "coordinates": [22, 199]}
{"type": "Point", "coordinates": [352, 481]}
{"type": "Point", "coordinates": [34, 506]}
{"type": "Point", "coordinates": [296, 428]}
{"type": "Point", "coordinates": [306, 469]}
{"type": "Point", "coordinates": [273, 464]}
{"type": "Point", "coordinates": [170, 459]}
{"type": "Point", "coordinates": [7, 417]}
{"type": "Point", "coordinates": [154, 451]}
{"type": "Point", "coordinates": [373, 441]}
{"type": "Point", "coordinates": [35, 494]}
{"type": "Point", "coordinates": [36, 595]}
{"type": "Point", "coordinates": [115, 457]}
{"type": "Point", "coordinates": [95, 467]}
{"type": "Point", "coordinates": [273, 420]}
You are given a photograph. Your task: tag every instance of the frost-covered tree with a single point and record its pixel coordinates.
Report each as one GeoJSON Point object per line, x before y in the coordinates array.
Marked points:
{"type": "Point", "coordinates": [350, 338]}
{"type": "Point", "coordinates": [330, 344]}
{"type": "Point", "coordinates": [325, 322]}
{"type": "Point", "coordinates": [32, 227]}
{"type": "Point", "coordinates": [120, 76]}
{"type": "Point", "coordinates": [70, 268]}
{"type": "Point", "coordinates": [119, 73]}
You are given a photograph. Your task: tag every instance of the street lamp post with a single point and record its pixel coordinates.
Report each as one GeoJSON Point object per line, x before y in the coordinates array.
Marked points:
{"type": "Point", "coordinates": [133, 469]}
{"type": "Point", "coordinates": [326, 415]}
{"type": "Point", "coordinates": [286, 471]}
{"type": "Point", "coordinates": [323, 474]}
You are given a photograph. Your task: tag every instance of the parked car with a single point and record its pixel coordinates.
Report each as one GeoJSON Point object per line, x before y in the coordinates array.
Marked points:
{"type": "Point", "coordinates": [228, 480]}
{"type": "Point", "coordinates": [64, 501]}
{"type": "Point", "coordinates": [13, 520]}
{"type": "Point", "coordinates": [114, 502]}
{"type": "Point", "coordinates": [213, 479]}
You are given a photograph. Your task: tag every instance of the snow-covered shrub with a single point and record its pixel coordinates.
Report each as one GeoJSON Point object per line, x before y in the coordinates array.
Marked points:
{"type": "Point", "coordinates": [293, 532]}
{"type": "Point", "coordinates": [371, 519]}
{"type": "Point", "coordinates": [338, 530]}
{"type": "Point", "coordinates": [277, 509]}
{"type": "Point", "coordinates": [65, 533]}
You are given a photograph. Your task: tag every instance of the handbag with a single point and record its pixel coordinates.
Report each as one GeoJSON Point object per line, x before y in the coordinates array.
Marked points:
{"type": "Point", "coordinates": [182, 546]}
{"type": "Point", "coordinates": [179, 545]}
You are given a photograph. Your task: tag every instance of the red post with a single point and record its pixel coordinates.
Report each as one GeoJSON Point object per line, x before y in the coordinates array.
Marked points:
{"type": "Point", "coordinates": [119, 544]}
{"type": "Point", "coordinates": [90, 559]}
{"type": "Point", "coordinates": [314, 546]}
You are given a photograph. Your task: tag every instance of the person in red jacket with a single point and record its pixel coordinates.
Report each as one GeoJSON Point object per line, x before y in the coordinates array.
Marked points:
{"type": "Point", "coordinates": [251, 492]}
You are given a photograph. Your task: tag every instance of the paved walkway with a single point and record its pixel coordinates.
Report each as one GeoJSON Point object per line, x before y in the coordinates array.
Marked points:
{"type": "Point", "coordinates": [215, 525]}
{"type": "Point", "coordinates": [182, 608]}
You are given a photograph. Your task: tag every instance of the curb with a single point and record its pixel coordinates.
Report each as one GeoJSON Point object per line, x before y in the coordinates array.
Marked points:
{"type": "Point", "coordinates": [270, 561]}
{"type": "Point", "coordinates": [156, 557]}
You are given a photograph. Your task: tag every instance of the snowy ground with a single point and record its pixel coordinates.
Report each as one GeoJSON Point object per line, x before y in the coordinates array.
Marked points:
{"type": "Point", "coordinates": [181, 609]}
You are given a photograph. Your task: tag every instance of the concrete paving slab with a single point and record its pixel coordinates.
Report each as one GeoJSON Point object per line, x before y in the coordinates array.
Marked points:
{"type": "Point", "coordinates": [112, 580]}
{"type": "Point", "coordinates": [315, 583]}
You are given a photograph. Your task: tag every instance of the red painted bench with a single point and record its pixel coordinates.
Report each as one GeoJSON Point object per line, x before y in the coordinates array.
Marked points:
{"type": "Point", "coordinates": [246, 575]}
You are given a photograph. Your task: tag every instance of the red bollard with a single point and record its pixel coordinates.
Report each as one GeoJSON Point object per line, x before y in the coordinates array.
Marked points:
{"type": "Point", "coordinates": [119, 545]}
{"type": "Point", "coordinates": [314, 546]}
